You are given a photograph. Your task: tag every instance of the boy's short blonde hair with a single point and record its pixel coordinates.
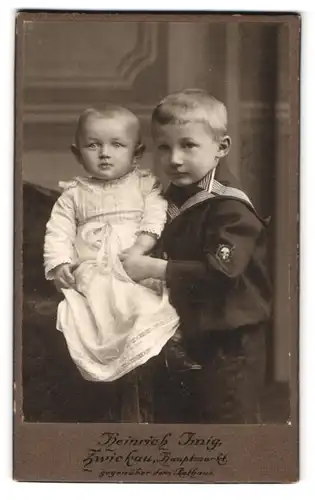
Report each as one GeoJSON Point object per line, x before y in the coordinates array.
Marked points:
{"type": "Point", "coordinates": [192, 105]}
{"type": "Point", "coordinates": [108, 111]}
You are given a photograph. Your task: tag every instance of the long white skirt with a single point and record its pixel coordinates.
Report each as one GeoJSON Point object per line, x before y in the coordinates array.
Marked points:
{"type": "Point", "coordinates": [110, 323]}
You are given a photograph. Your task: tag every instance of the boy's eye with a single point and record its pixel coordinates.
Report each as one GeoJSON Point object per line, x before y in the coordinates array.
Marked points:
{"type": "Point", "coordinates": [189, 145]}
{"type": "Point", "coordinates": [117, 144]}
{"type": "Point", "coordinates": [92, 145]}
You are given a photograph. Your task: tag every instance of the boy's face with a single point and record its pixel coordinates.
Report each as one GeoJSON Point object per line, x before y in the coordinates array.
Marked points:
{"type": "Point", "coordinates": [185, 153]}
{"type": "Point", "coordinates": [106, 147]}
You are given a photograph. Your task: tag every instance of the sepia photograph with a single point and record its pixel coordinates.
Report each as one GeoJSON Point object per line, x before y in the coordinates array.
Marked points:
{"type": "Point", "coordinates": [156, 201]}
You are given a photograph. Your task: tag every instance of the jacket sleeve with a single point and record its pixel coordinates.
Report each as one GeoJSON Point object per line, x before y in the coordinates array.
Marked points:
{"type": "Point", "coordinates": [155, 206]}
{"type": "Point", "coordinates": [230, 237]}
{"type": "Point", "coordinates": [60, 234]}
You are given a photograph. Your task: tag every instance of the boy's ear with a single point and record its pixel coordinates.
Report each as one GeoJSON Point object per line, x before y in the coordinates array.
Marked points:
{"type": "Point", "coordinates": [76, 152]}
{"type": "Point", "coordinates": [139, 150]}
{"type": "Point", "coordinates": [224, 146]}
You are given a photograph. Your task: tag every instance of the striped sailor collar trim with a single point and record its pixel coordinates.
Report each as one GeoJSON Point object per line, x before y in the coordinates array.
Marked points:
{"type": "Point", "coordinates": [211, 188]}
{"type": "Point", "coordinates": [205, 182]}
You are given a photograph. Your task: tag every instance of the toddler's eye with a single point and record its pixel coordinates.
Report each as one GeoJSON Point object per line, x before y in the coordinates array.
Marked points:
{"type": "Point", "coordinates": [163, 147]}
{"type": "Point", "coordinates": [92, 145]}
{"type": "Point", "coordinates": [117, 144]}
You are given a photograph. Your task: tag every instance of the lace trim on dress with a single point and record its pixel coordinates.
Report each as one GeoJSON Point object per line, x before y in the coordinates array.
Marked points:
{"type": "Point", "coordinates": [91, 183]}
{"type": "Point", "coordinates": [154, 230]}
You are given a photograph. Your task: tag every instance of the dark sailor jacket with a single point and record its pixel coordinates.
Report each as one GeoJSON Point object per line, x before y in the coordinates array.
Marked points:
{"type": "Point", "coordinates": [215, 244]}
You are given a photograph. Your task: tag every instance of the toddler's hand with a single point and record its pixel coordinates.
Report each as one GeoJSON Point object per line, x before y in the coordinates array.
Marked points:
{"type": "Point", "coordinates": [63, 277]}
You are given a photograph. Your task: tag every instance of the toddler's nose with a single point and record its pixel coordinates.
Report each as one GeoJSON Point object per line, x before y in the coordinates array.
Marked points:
{"type": "Point", "coordinates": [104, 152]}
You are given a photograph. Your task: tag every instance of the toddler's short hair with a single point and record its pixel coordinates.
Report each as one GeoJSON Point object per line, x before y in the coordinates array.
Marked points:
{"type": "Point", "coordinates": [192, 105]}
{"type": "Point", "coordinates": [108, 111]}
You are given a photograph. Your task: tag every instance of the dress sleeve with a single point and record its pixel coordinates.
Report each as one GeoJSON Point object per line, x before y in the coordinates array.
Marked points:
{"type": "Point", "coordinates": [229, 244]}
{"type": "Point", "coordinates": [60, 233]}
{"type": "Point", "coordinates": [155, 206]}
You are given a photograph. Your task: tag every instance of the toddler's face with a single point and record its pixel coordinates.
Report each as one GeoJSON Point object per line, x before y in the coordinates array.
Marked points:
{"type": "Point", "coordinates": [106, 147]}
{"type": "Point", "coordinates": [185, 153]}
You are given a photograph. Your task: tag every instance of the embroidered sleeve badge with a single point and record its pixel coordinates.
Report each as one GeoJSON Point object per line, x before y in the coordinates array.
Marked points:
{"type": "Point", "coordinates": [224, 253]}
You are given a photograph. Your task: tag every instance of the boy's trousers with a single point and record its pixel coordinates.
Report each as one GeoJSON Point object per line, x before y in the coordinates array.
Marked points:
{"type": "Point", "coordinates": [228, 387]}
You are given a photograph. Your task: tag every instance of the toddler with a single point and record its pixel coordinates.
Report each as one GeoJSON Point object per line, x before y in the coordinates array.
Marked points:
{"type": "Point", "coordinates": [111, 324]}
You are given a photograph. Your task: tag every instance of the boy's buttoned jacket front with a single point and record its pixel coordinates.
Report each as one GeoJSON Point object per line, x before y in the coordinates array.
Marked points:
{"type": "Point", "coordinates": [216, 251]}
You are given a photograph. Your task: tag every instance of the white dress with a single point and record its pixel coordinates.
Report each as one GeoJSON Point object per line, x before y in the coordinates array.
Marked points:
{"type": "Point", "coordinates": [111, 324]}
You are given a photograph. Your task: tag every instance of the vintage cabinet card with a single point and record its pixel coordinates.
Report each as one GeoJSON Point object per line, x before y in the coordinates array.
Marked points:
{"type": "Point", "coordinates": [169, 352]}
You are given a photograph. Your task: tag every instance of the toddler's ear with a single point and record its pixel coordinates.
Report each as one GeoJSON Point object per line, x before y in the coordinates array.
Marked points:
{"type": "Point", "coordinates": [139, 150]}
{"type": "Point", "coordinates": [224, 146]}
{"type": "Point", "coordinates": [76, 152]}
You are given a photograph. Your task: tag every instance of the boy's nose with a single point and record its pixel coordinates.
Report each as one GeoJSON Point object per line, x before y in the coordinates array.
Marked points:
{"type": "Point", "coordinates": [176, 159]}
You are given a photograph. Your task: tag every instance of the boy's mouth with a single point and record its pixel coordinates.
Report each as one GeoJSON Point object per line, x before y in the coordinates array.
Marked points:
{"type": "Point", "coordinates": [177, 175]}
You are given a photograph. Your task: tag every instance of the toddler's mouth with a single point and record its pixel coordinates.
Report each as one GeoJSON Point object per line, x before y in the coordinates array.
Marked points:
{"type": "Point", "coordinates": [105, 165]}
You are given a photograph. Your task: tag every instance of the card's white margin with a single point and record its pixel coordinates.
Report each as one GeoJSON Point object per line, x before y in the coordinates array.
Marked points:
{"type": "Point", "coordinates": [306, 487]}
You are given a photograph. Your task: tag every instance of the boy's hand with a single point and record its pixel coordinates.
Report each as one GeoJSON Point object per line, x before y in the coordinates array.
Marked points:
{"type": "Point", "coordinates": [63, 277]}
{"type": "Point", "coordinates": [142, 246]}
{"type": "Point", "coordinates": [142, 267]}
{"type": "Point", "coordinates": [134, 250]}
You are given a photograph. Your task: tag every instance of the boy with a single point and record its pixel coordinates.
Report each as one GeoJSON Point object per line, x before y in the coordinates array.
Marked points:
{"type": "Point", "coordinates": [214, 246]}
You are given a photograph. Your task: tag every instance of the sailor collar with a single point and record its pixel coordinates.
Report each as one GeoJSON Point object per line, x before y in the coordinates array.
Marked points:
{"type": "Point", "coordinates": [209, 188]}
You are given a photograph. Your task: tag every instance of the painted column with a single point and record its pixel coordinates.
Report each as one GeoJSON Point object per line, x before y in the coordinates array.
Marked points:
{"type": "Point", "coordinates": [188, 56]}
{"type": "Point", "coordinates": [232, 101]}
